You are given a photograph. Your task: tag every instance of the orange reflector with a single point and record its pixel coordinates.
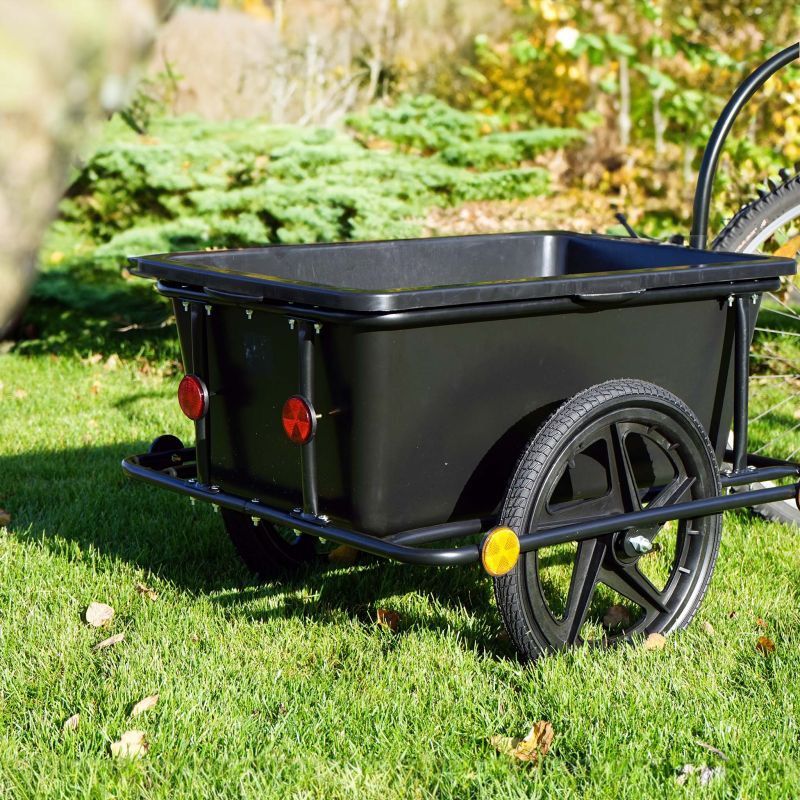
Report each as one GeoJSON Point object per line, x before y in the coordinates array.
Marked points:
{"type": "Point", "coordinates": [500, 551]}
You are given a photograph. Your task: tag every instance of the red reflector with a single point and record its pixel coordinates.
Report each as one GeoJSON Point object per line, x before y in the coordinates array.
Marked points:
{"type": "Point", "coordinates": [193, 397]}
{"type": "Point", "coordinates": [298, 420]}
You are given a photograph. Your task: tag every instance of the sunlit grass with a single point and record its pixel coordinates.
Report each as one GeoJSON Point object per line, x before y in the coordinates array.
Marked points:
{"type": "Point", "coordinates": [290, 690]}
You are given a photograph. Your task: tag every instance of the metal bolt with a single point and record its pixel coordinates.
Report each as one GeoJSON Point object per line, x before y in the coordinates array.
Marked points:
{"type": "Point", "coordinates": [640, 544]}
{"type": "Point", "coordinates": [730, 301]}
{"type": "Point", "coordinates": [317, 327]}
{"type": "Point", "coordinates": [323, 518]}
{"type": "Point", "coordinates": [193, 501]}
{"type": "Point", "coordinates": [291, 324]}
{"type": "Point", "coordinates": [255, 521]}
{"type": "Point", "coordinates": [185, 305]}
{"type": "Point", "coordinates": [249, 312]}
{"type": "Point", "coordinates": [754, 298]}
{"type": "Point", "coordinates": [208, 310]}
{"type": "Point", "coordinates": [215, 507]}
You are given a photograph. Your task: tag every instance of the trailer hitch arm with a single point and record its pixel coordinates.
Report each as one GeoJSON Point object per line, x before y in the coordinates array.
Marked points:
{"type": "Point", "coordinates": [708, 168]}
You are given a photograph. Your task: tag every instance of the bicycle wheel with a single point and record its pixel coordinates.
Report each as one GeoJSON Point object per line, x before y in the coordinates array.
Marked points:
{"type": "Point", "coordinates": [771, 225]}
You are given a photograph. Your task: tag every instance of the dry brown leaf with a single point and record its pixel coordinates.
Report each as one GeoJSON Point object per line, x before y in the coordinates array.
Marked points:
{"type": "Point", "coordinates": [533, 747]}
{"type": "Point", "coordinates": [704, 774]}
{"type": "Point", "coordinates": [110, 642]}
{"type": "Point", "coordinates": [617, 616]}
{"type": "Point", "coordinates": [760, 623]}
{"type": "Point", "coordinates": [132, 744]}
{"type": "Point", "coordinates": [708, 628]}
{"type": "Point", "coordinates": [655, 641]}
{"type": "Point", "coordinates": [344, 555]}
{"type": "Point", "coordinates": [732, 615]}
{"type": "Point", "coordinates": [5, 518]}
{"type": "Point", "coordinates": [147, 591]}
{"type": "Point", "coordinates": [765, 645]}
{"type": "Point", "coordinates": [388, 619]}
{"type": "Point", "coordinates": [536, 744]}
{"type": "Point", "coordinates": [72, 723]}
{"type": "Point", "coordinates": [144, 704]}
{"type": "Point", "coordinates": [95, 387]}
{"type": "Point", "coordinates": [98, 615]}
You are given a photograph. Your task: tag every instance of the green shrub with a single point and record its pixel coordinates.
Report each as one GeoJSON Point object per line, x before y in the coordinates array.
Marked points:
{"type": "Point", "coordinates": [193, 184]}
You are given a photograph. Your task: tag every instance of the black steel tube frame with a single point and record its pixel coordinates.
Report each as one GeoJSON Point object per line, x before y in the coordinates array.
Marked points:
{"type": "Point", "coordinates": [405, 547]}
{"type": "Point", "coordinates": [308, 452]}
{"type": "Point", "coordinates": [708, 168]}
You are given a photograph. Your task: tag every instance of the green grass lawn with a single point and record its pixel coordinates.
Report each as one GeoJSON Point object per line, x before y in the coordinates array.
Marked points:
{"type": "Point", "coordinates": [291, 690]}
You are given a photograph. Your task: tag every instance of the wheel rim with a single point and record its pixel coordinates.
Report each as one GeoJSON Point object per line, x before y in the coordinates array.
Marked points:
{"type": "Point", "coordinates": [639, 458]}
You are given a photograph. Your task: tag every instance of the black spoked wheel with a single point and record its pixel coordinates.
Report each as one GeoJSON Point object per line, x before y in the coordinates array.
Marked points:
{"type": "Point", "coordinates": [267, 550]}
{"type": "Point", "coordinates": [618, 447]}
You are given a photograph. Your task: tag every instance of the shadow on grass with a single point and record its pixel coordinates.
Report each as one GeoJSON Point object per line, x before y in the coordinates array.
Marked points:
{"type": "Point", "coordinates": [77, 501]}
{"type": "Point", "coordinates": [85, 308]}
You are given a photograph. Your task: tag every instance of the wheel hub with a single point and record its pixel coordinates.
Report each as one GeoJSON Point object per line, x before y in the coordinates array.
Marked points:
{"type": "Point", "coordinates": [630, 545]}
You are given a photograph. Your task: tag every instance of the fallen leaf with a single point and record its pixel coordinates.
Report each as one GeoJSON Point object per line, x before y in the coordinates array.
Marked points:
{"type": "Point", "coordinates": [655, 641]}
{"type": "Point", "coordinates": [765, 645]}
{"type": "Point", "coordinates": [94, 358]}
{"type": "Point", "coordinates": [708, 628]}
{"type": "Point", "coordinates": [536, 744]}
{"type": "Point", "coordinates": [5, 518]}
{"type": "Point", "coordinates": [533, 747]}
{"type": "Point", "coordinates": [617, 616]}
{"type": "Point", "coordinates": [708, 774]}
{"type": "Point", "coordinates": [132, 744]}
{"type": "Point", "coordinates": [705, 774]}
{"type": "Point", "coordinates": [95, 387]}
{"type": "Point", "coordinates": [685, 772]}
{"type": "Point", "coordinates": [152, 594]}
{"type": "Point", "coordinates": [112, 362]}
{"type": "Point", "coordinates": [760, 623]}
{"type": "Point", "coordinates": [344, 555]}
{"type": "Point", "coordinates": [20, 394]}
{"type": "Point", "coordinates": [98, 615]}
{"type": "Point", "coordinates": [711, 749]}
{"type": "Point", "coordinates": [389, 619]}
{"type": "Point", "coordinates": [732, 615]}
{"type": "Point", "coordinates": [144, 705]}
{"type": "Point", "coordinates": [72, 723]}
{"type": "Point", "coordinates": [110, 642]}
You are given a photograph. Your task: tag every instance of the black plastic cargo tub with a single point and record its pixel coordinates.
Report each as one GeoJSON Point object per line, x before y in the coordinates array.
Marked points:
{"type": "Point", "coordinates": [437, 359]}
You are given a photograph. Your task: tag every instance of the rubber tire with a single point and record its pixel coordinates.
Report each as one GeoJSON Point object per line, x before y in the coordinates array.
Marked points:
{"type": "Point", "coordinates": [734, 238]}
{"type": "Point", "coordinates": [533, 467]}
{"type": "Point", "coordinates": [750, 219]}
{"type": "Point", "coordinates": [263, 550]}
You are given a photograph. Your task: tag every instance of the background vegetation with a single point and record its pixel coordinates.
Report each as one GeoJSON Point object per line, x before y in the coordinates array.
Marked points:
{"type": "Point", "coordinates": [312, 121]}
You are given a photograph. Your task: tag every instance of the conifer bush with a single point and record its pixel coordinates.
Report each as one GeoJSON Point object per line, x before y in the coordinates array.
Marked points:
{"type": "Point", "coordinates": [193, 184]}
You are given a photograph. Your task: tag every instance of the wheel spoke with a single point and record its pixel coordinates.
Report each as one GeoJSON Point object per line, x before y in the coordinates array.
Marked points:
{"type": "Point", "coordinates": [622, 478]}
{"type": "Point", "coordinates": [588, 561]}
{"type": "Point", "coordinates": [631, 584]}
{"type": "Point", "coordinates": [672, 492]}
